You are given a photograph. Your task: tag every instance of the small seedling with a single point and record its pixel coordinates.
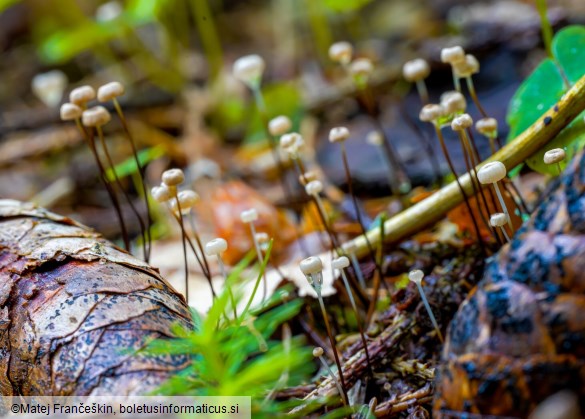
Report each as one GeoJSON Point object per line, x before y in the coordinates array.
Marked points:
{"type": "Point", "coordinates": [312, 268]}
{"type": "Point", "coordinates": [110, 92]}
{"type": "Point", "coordinates": [417, 276]}
{"type": "Point", "coordinates": [499, 219]}
{"type": "Point", "coordinates": [216, 247]}
{"type": "Point", "coordinates": [555, 156]}
{"type": "Point", "coordinates": [416, 71]}
{"type": "Point", "coordinates": [340, 264]}
{"type": "Point", "coordinates": [493, 172]}
{"type": "Point", "coordinates": [318, 353]}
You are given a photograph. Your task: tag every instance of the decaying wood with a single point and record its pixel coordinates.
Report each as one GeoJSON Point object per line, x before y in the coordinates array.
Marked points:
{"type": "Point", "coordinates": [74, 308]}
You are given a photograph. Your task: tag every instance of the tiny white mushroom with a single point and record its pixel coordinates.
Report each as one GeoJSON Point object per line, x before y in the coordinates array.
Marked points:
{"type": "Point", "coordinates": [248, 217]}
{"type": "Point", "coordinates": [279, 126]}
{"type": "Point", "coordinates": [249, 69]}
{"type": "Point", "coordinates": [555, 156]}
{"type": "Point", "coordinates": [417, 276]}
{"type": "Point", "coordinates": [338, 134]}
{"type": "Point", "coordinates": [49, 87]}
{"type": "Point", "coordinates": [499, 219]}
{"type": "Point", "coordinates": [493, 172]}
{"type": "Point", "coordinates": [161, 193]}
{"type": "Point", "coordinates": [95, 117]}
{"type": "Point", "coordinates": [312, 268]}
{"type": "Point", "coordinates": [318, 353]}
{"type": "Point", "coordinates": [453, 102]}
{"type": "Point", "coordinates": [173, 177]}
{"type": "Point", "coordinates": [452, 55]}
{"type": "Point", "coordinates": [341, 52]}
{"type": "Point", "coordinates": [416, 71]}
{"type": "Point", "coordinates": [81, 95]}
{"type": "Point", "coordinates": [110, 91]}
{"type": "Point", "coordinates": [70, 112]}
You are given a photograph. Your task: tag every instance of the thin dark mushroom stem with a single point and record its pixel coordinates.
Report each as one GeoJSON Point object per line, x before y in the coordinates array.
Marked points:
{"type": "Point", "coordinates": [477, 189]}
{"type": "Point", "coordinates": [147, 233]}
{"type": "Point", "coordinates": [465, 199]}
{"type": "Point", "coordinates": [184, 241]}
{"type": "Point", "coordinates": [357, 208]}
{"type": "Point", "coordinates": [121, 187]}
{"type": "Point", "coordinates": [88, 136]}
{"type": "Point", "coordinates": [474, 97]}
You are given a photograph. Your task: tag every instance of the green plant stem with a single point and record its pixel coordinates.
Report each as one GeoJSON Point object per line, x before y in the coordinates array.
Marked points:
{"type": "Point", "coordinates": [547, 32]}
{"type": "Point", "coordinates": [433, 208]}
{"type": "Point", "coordinates": [208, 34]}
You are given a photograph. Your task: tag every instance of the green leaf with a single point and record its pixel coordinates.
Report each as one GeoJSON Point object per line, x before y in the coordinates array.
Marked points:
{"type": "Point", "coordinates": [543, 88]}
{"type": "Point", "coordinates": [345, 6]}
{"type": "Point", "coordinates": [128, 166]}
{"type": "Point", "coordinates": [5, 4]}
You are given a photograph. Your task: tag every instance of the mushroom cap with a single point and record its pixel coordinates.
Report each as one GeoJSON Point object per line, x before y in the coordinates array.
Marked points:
{"type": "Point", "coordinates": [314, 187]}
{"type": "Point", "coordinates": [173, 177]}
{"type": "Point", "coordinates": [215, 247]}
{"type": "Point", "coordinates": [374, 138]}
{"type": "Point", "coordinates": [95, 117]}
{"type": "Point", "coordinates": [187, 200]}
{"type": "Point", "coordinates": [431, 112]}
{"type": "Point", "coordinates": [466, 68]}
{"type": "Point", "coordinates": [340, 263]}
{"type": "Point", "coordinates": [498, 219]}
{"type": "Point", "coordinates": [492, 172]}
{"type": "Point", "coordinates": [262, 237]}
{"type": "Point", "coordinates": [416, 276]}
{"type": "Point", "coordinates": [307, 177]}
{"type": "Point", "coordinates": [453, 102]}
{"type": "Point", "coordinates": [362, 67]}
{"type": "Point", "coordinates": [341, 52]}
{"type": "Point", "coordinates": [70, 111]}
{"type": "Point", "coordinates": [292, 142]}
{"type": "Point", "coordinates": [311, 265]}
{"type": "Point", "coordinates": [249, 69]}
{"type": "Point", "coordinates": [452, 55]}
{"type": "Point", "coordinates": [554, 156]}
{"type": "Point", "coordinates": [415, 70]}
{"type": "Point", "coordinates": [49, 87]}
{"type": "Point", "coordinates": [110, 91]}
{"type": "Point", "coordinates": [338, 134]}
{"type": "Point", "coordinates": [461, 122]}
{"type": "Point", "coordinates": [81, 95]}
{"type": "Point", "coordinates": [161, 193]}
{"type": "Point", "coordinates": [279, 125]}
{"type": "Point", "coordinates": [487, 126]}
{"type": "Point", "coordinates": [317, 352]}
{"type": "Point", "coordinates": [249, 215]}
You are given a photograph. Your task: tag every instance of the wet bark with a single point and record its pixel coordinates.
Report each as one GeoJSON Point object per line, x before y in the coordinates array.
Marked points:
{"type": "Point", "coordinates": [74, 309]}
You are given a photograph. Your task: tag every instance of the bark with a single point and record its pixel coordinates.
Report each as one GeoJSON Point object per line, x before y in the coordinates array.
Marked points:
{"type": "Point", "coordinates": [74, 308]}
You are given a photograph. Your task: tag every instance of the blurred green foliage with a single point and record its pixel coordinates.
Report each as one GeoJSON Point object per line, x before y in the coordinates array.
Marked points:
{"type": "Point", "coordinates": [239, 357]}
{"type": "Point", "coordinates": [543, 88]}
